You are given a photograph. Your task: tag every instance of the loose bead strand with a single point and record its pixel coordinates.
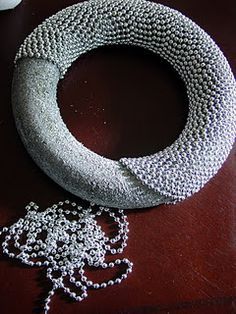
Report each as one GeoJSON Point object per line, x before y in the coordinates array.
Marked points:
{"type": "Point", "coordinates": [68, 244]}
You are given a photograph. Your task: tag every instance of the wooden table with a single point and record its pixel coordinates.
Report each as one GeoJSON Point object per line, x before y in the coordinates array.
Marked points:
{"type": "Point", "coordinates": [126, 102]}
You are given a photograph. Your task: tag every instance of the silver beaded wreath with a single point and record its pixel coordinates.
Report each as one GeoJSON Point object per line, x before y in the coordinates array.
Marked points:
{"type": "Point", "coordinates": [167, 176]}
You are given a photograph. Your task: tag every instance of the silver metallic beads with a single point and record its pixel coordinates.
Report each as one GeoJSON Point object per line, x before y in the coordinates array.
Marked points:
{"type": "Point", "coordinates": [168, 176]}
{"type": "Point", "coordinates": [66, 238]}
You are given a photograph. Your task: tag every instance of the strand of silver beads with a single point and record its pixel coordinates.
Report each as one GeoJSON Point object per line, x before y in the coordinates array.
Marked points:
{"type": "Point", "coordinates": [66, 238]}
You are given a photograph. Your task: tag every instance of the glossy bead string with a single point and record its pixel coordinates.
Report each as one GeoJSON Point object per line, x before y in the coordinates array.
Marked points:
{"type": "Point", "coordinates": [67, 245]}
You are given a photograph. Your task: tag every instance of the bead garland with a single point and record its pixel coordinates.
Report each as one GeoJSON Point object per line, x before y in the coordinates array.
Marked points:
{"type": "Point", "coordinates": [66, 245]}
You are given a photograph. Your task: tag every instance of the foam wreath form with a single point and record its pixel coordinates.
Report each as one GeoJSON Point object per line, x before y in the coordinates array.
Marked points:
{"type": "Point", "coordinates": [168, 176]}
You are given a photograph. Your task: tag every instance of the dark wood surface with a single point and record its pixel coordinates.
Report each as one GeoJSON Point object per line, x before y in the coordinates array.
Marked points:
{"type": "Point", "coordinates": [126, 102]}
